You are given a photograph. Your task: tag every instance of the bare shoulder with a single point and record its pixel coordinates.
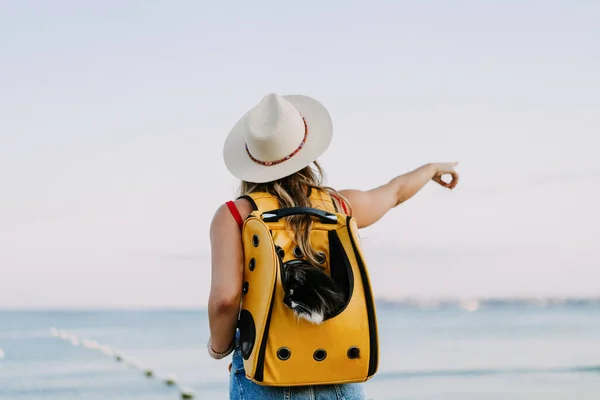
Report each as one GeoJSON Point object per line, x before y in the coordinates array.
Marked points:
{"type": "Point", "coordinates": [343, 203]}
{"type": "Point", "coordinates": [244, 207]}
{"type": "Point", "coordinates": [224, 220]}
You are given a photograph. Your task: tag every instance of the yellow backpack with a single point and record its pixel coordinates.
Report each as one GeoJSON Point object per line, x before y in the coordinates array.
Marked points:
{"type": "Point", "coordinates": [279, 349]}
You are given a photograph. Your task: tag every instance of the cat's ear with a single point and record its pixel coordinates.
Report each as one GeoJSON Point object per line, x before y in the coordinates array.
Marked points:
{"type": "Point", "coordinates": [299, 276]}
{"type": "Point", "coordinates": [286, 274]}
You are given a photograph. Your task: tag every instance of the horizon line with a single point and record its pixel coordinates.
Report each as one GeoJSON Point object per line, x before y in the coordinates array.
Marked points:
{"type": "Point", "coordinates": [409, 301]}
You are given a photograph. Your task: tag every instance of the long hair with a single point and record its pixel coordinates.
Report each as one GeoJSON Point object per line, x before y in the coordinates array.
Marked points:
{"type": "Point", "coordinates": [292, 191]}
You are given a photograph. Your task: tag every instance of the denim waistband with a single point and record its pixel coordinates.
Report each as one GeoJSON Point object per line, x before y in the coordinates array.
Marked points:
{"type": "Point", "coordinates": [237, 338]}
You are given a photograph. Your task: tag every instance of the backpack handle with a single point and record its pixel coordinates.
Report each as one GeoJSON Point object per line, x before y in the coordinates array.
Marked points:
{"type": "Point", "coordinates": [276, 215]}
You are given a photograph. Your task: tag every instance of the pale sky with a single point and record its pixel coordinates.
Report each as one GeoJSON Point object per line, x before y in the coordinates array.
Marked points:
{"type": "Point", "coordinates": [113, 115]}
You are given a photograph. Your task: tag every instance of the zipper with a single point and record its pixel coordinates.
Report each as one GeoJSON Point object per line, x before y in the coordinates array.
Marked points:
{"type": "Point", "coordinates": [260, 367]}
{"type": "Point", "coordinates": [369, 301]}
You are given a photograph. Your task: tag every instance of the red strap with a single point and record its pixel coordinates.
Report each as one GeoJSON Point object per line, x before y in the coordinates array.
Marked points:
{"type": "Point", "coordinates": [236, 214]}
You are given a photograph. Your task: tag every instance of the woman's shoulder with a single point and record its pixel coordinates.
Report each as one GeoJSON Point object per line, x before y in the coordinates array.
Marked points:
{"type": "Point", "coordinates": [234, 210]}
{"type": "Point", "coordinates": [243, 206]}
{"type": "Point", "coordinates": [341, 202]}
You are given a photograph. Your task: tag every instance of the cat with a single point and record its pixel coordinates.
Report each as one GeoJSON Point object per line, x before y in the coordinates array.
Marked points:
{"type": "Point", "coordinates": [310, 292]}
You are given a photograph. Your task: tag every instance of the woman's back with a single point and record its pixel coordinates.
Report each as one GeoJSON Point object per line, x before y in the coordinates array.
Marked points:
{"type": "Point", "coordinates": [264, 259]}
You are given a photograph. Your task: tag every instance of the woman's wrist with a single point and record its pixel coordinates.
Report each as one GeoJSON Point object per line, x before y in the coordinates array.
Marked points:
{"type": "Point", "coordinates": [218, 355]}
{"type": "Point", "coordinates": [432, 169]}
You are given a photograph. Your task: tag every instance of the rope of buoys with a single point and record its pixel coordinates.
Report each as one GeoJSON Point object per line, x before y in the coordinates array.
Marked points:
{"type": "Point", "coordinates": [169, 379]}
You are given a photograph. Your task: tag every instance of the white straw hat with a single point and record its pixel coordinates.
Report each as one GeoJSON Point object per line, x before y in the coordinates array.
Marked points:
{"type": "Point", "coordinates": [279, 136]}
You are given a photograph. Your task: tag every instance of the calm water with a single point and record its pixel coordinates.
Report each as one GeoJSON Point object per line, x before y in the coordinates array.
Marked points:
{"type": "Point", "coordinates": [509, 352]}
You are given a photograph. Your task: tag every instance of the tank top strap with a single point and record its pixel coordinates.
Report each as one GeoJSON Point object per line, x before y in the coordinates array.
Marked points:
{"type": "Point", "coordinates": [235, 213]}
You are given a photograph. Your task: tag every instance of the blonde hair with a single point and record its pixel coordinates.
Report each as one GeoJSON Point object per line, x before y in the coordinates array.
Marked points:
{"type": "Point", "coordinates": [293, 191]}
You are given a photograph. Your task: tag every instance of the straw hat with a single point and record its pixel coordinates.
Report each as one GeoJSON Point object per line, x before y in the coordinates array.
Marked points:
{"type": "Point", "coordinates": [277, 137]}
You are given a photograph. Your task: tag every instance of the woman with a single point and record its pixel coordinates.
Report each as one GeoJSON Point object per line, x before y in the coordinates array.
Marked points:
{"type": "Point", "coordinates": [274, 148]}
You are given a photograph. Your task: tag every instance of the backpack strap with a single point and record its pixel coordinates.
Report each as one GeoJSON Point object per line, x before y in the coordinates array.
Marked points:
{"type": "Point", "coordinates": [261, 201]}
{"type": "Point", "coordinates": [342, 202]}
{"type": "Point", "coordinates": [251, 200]}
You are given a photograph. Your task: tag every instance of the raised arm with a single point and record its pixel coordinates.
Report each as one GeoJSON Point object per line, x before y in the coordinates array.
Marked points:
{"type": "Point", "coordinates": [368, 206]}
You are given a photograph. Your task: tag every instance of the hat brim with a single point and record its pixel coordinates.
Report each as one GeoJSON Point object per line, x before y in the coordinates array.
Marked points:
{"type": "Point", "coordinates": [320, 132]}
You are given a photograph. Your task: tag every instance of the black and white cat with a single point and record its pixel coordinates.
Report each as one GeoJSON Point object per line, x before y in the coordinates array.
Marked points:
{"type": "Point", "coordinates": [310, 292]}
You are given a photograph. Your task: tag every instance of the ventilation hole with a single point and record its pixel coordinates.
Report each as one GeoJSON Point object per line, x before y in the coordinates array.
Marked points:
{"type": "Point", "coordinates": [252, 264]}
{"type": "Point", "coordinates": [280, 252]}
{"type": "Point", "coordinates": [319, 355]}
{"type": "Point", "coordinates": [245, 288]}
{"type": "Point", "coordinates": [247, 333]}
{"type": "Point", "coordinates": [283, 353]}
{"type": "Point", "coordinates": [297, 252]}
{"type": "Point", "coordinates": [321, 257]}
{"type": "Point", "coordinates": [353, 352]}
{"type": "Point", "coordinates": [255, 240]}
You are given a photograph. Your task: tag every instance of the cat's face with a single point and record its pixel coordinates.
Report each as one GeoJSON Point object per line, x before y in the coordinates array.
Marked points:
{"type": "Point", "coordinates": [294, 279]}
{"type": "Point", "coordinates": [309, 292]}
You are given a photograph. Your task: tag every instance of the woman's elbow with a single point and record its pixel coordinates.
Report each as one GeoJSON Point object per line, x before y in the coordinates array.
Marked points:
{"type": "Point", "coordinates": [225, 303]}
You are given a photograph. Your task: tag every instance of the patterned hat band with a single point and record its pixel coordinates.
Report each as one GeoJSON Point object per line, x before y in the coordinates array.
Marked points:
{"type": "Point", "coordinates": [293, 153]}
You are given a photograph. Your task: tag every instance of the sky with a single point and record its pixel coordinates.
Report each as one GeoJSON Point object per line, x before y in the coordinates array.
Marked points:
{"type": "Point", "coordinates": [113, 115]}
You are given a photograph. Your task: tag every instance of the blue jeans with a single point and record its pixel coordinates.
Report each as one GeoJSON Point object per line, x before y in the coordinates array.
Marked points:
{"type": "Point", "coordinates": [240, 388]}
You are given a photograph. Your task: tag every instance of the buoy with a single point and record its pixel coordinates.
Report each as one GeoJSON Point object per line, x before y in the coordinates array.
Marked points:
{"type": "Point", "coordinates": [74, 341]}
{"type": "Point", "coordinates": [54, 332]}
{"type": "Point", "coordinates": [148, 373]}
{"type": "Point", "coordinates": [187, 394]}
{"type": "Point", "coordinates": [1, 354]}
{"type": "Point", "coordinates": [171, 379]}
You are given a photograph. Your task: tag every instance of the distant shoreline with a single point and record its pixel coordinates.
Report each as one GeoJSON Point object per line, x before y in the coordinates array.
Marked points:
{"type": "Point", "coordinates": [468, 303]}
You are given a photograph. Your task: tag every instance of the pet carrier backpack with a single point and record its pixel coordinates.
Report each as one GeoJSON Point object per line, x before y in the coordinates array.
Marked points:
{"type": "Point", "coordinates": [280, 349]}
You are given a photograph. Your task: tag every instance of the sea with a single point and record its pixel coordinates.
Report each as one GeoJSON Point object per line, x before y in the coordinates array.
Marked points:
{"type": "Point", "coordinates": [480, 350]}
